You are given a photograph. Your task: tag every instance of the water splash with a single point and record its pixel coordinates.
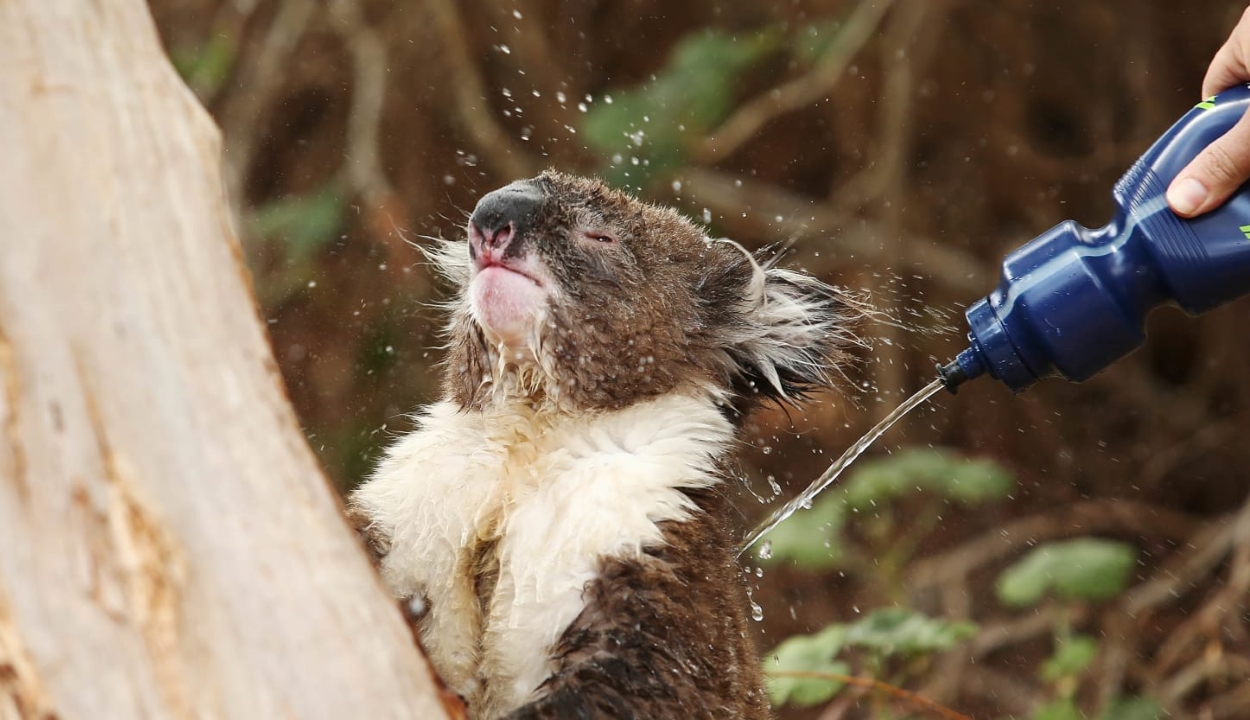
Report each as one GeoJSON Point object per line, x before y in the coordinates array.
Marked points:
{"type": "Point", "coordinates": [757, 612]}
{"type": "Point", "coordinates": [804, 499]}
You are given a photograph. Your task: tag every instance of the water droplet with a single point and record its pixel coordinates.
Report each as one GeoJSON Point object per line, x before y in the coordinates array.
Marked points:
{"type": "Point", "coordinates": [505, 49]}
{"type": "Point", "coordinates": [776, 486]}
{"type": "Point", "coordinates": [766, 550]}
{"type": "Point", "coordinates": [757, 612]}
{"type": "Point", "coordinates": [416, 605]}
{"type": "Point", "coordinates": [516, 14]}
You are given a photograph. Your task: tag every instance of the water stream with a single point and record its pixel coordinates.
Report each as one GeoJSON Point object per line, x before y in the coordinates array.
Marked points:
{"type": "Point", "coordinates": [805, 498]}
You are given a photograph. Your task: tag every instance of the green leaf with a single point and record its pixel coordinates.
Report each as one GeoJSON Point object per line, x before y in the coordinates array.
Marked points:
{"type": "Point", "coordinates": [893, 631]}
{"type": "Point", "coordinates": [810, 538]}
{"type": "Point", "coordinates": [1072, 655]}
{"type": "Point", "coordinates": [1063, 709]}
{"type": "Point", "coordinates": [1081, 569]}
{"type": "Point", "coordinates": [206, 67]}
{"type": "Point", "coordinates": [1132, 707]}
{"type": "Point", "coordinates": [942, 472]}
{"type": "Point", "coordinates": [806, 653]}
{"type": "Point", "coordinates": [899, 631]}
{"type": "Point", "coordinates": [303, 223]}
{"type": "Point", "coordinates": [648, 129]}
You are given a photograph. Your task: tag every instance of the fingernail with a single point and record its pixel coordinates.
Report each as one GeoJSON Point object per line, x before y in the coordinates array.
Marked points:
{"type": "Point", "coordinates": [1186, 195]}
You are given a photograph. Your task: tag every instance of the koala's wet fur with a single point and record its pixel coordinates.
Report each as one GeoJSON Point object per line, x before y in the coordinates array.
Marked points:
{"type": "Point", "coordinates": [561, 514]}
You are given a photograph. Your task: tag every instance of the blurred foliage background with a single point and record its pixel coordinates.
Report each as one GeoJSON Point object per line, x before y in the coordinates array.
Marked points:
{"type": "Point", "coordinates": [1079, 550]}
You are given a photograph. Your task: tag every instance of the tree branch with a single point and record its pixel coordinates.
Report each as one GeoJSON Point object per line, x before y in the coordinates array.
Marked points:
{"type": "Point", "coordinates": [760, 207]}
{"type": "Point", "coordinates": [801, 91]}
{"type": "Point", "coordinates": [469, 93]}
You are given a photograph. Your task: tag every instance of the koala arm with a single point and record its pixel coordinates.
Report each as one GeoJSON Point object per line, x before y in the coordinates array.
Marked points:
{"type": "Point", "coordinates": [375, 543]}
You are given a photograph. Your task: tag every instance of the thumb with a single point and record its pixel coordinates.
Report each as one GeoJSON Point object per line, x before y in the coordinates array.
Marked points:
{"type": "Point", "coordinates": [1231, 64]}
{"type": "Point", "coordinates": [1214, 174]}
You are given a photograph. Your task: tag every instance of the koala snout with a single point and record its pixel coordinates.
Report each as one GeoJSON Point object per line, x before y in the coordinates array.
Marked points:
{"type": "Point", "coordinates": [503, 216]}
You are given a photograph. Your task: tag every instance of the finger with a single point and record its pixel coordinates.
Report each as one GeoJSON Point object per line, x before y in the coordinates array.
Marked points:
{"type": "Point", "coordinates": [1224, 72]}
{"type": "Point", "coordinates": [1230, 66]}
{"type": "Point", "coordinates": [1214, 174]}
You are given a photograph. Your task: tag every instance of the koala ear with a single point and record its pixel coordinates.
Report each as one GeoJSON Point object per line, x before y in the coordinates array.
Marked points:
{"type": "Point", "coordinates": [794, 333]}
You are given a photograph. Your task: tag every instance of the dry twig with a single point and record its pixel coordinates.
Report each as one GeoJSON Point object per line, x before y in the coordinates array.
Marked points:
{"type": "Point", "coordinates": [1208, 549]}
{"type": "Point", "coordinates": [534, 60]}
{"type": "Point", "coordinates": [890, 370]}
{"type": "Point", "coordinates": [1108, 515]}
{"type": "Point", "coordinates": [1208, 667]}
{"type": "Point", "coordinates": [1007, 692]}
{"type": "Point", "coordinates": [469, 93]}
{"type": "Point", "coordinates": [911, 698]}
{"type": "Point", "coordinates": [255, 86]}
{"type": "Point", "coordinates": [997, 635]}
{"type": "Point", "coordinates": [759, 207]}
{"type": "Point", "coordinates": [1169, 584]}
{"type": "Point", "coordinates": [362, 164]}
{"type": "Point", "coordinates": [801, 91]}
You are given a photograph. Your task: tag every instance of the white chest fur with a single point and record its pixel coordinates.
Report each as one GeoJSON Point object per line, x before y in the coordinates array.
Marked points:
{"type": "Point", "coordinates": [555, 493]}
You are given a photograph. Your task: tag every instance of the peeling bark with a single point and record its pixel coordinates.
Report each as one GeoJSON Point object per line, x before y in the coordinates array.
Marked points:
{"type": "Point", "coordinates": [22, 695]}
{"type": "Point", "coordinates": [9, 384]}
{"type": "Point", "coordinates": [168, 546]}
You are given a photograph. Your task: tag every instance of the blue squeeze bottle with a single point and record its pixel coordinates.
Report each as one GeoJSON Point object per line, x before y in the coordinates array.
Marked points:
{"type": "Point", "coordinates": [1074, 300]}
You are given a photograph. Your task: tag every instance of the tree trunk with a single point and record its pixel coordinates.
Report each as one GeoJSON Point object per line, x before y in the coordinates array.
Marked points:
{"type": "Point", "coordinates": [168, 546]}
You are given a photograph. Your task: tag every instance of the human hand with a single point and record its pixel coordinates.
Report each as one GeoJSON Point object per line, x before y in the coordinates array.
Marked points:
{"type": "Point", "coordinates": [1224, 165]}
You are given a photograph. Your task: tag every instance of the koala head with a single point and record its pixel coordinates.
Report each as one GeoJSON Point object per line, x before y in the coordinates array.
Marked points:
{"type": "Point", "coordinates": [576, 295]}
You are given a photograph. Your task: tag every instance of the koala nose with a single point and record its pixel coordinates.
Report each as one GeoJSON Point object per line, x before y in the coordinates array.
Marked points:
{"type": "Point", "coordinates": [504, 214]}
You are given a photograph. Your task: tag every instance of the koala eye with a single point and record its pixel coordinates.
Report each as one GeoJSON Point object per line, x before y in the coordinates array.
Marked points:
{"type": "Point", "coordinates": [597, 236]}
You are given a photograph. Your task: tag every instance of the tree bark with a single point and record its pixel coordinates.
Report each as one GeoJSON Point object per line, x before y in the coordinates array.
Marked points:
{"type": "Point", "coordinates": [168, 545]}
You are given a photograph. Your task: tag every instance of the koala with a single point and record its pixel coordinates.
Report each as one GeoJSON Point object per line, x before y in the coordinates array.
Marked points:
{"type": "Point", "coordinates": [561, 515]}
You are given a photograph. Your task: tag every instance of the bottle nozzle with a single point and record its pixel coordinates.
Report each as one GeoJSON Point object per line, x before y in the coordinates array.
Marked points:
{"type": "Point", "coordinates": [966, 366]}
{"type": "Point", "coordinates": [951, 375]}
